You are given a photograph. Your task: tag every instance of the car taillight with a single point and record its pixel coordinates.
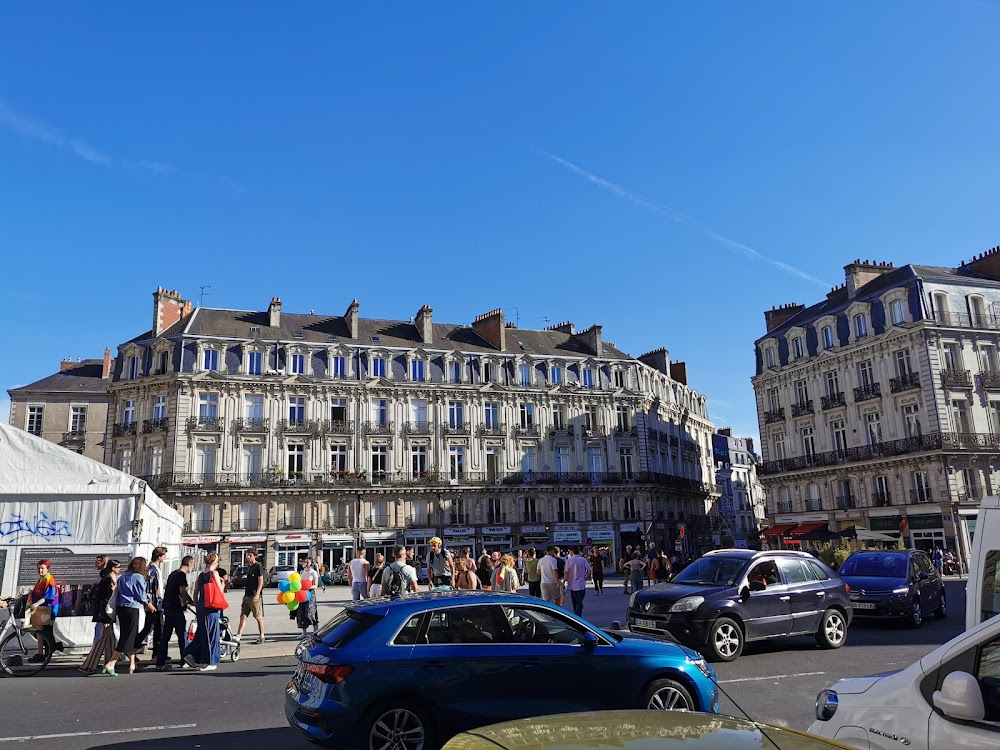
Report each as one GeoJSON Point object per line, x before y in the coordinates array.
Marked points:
{"type": "Point", "coordinates": [332, 673]}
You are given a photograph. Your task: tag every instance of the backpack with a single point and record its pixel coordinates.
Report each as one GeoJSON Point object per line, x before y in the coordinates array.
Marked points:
{"type": "Point", "coordinates": [393, 581]}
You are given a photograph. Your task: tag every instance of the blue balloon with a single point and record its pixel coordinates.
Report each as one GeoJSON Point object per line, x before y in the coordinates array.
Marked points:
{"type": "Point", "coordinates": [283, 586]}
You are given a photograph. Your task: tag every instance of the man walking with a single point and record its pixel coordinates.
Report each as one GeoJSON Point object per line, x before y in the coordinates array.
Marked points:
{"type": "Point", "coordinates": [175, 599]}
{"type": "Point", "coordinates": [577, 572]}
{"type": "Point", "coordinates": [357, 575]}
{"type": "Point", "coordinates": [154, 607]}
{"type": "Point", "coordinates": [400, 567]}
{"type": "Point", "coordinates": [253, 603]}
{"type": "Point", "coordinates": [548, 569]}
{"type": "Point", "coordinates": [440, 568]}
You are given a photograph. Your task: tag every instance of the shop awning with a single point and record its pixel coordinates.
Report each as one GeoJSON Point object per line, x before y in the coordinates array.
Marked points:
{"type": "Point", "coordinates": [780, 529]}
{"type": "Point", "coordinates": [805, 528]}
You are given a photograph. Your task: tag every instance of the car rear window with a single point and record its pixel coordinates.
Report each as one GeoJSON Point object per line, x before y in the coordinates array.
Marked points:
{"type": "Point", "coordinates": [345, 627]}
{"type": "Point", "coordinates": [876, 566]}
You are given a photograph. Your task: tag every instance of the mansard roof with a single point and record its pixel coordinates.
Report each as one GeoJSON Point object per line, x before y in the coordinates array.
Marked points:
{"type": "Point", "coordinates": [82, 377]}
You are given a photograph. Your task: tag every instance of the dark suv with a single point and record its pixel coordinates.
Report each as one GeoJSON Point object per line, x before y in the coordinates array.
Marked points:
{"type": "Point", "coordinates": [729, 597]}
{"type": "Point", "coordinates": [894, 584]}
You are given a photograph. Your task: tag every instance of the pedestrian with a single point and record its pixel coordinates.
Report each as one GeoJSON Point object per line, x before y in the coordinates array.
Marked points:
{"type": "Point", "coordinates": [440, 568]}
{"type": "Point", "coordinates": [253, 598]}
{"type": "Point", "coordinates": [634, 568]}
{"type": "Point", "coordinates": [154, 609]}
{"type": "Point", "coordinates": [484, 569]}
{"type": "Point", "coordinates": [596, 561]}
{"type": "Point", "coordinates": [104, 647]}
{"type": "Point", "coordinates": [132, 598]}
{"type": "Point", "coordinates": [519, 564]}
{"type": "Point", "coordinates": [43, 604]}
{"type": "Point", "coordinates": [938, 561]}
{"type": "Point", "coordinates": [578, 570]}
{"type": "Point", "coordinates": [100, 562]}
{"type": "Point", "coordinates": [561, 572]}
{"type": "Point", "coordinates": [204, 652]}
{"type": "Point", "coordinates": [357, 576]}
{"type": "Point", "coordinates": [400, 567]}
{"type": "Point", "coordinates": [375, 576]}
{"type": "Point", "coordinates": [622, 565]}
{"type": "Point", "coordinates": [504, 576]}
{"type": "Point", "coordinates": [465, 571]}
{"type": "Point", "coordinates": [175, 601]}
{"type": "Point", "coordinates": [548, 571]}
{"type": "Point", "coordinates": [660, 568]}
{"type": "Point", "coordinates": [323, 577]}
{"type": "Point", "coordinates": [307, 614]}
{"type": "Point", "coordinates": [531, 574]}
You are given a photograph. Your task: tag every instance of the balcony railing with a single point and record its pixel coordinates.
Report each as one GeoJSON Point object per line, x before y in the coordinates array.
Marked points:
{"type": "Point", "coordinates": [529, 517]}
{"type": "Point", "coordinates": [774, 415]}
{"type": "Point", "coordinates": [564, 431]}
{"type": "Point", "coordinates": [972, 496]}
{"type": "Point", "coordinates": [298, 427]}
{"type": "Point", "coordinates": [906, 382]}
{"type": "Point", "coordinates": [123, 429]}
{"type": "Point", "coordinates": [496, 518]}
{"type": "Point", "coordinates": [881, 499]}
{"type": "Point", "coordinates": [920, 496]}
{"type": "Point", "coordinates": [337, 427]}
{"type": "Point", "coordinates": [75, 436]}
{"type": "Point", "coordinates": [378, 428]}
{"type": "Point", "coordinates": [956, 378]}
{"type": "Point", "coordinates": [246, 524]}
{"type": "Point", "coordinates": [965, 320]}
{"type": "Point", "coordinates": [802, 408]}
{"type": "Point", "coordinates": [562, 517]}
{"type": "Point", "coordinates": [155, 425]}
{"type": "Point", "coordinates": [417, 428]}
{"type": "Point", "coordinates": [377, 521]}
{"type": "Point", "coordinates": [846, 502]}
{"type": "Point", "coordinates": [493, 430]}
{"type": "Point", "coordinates": [199, 527]}
{"type": "Point", "coordinates": [530, 430]}
{"type": "Point", "coordinates": [784, 506]}
{"type": "Point", "coordinates": [458, 519]}
{"type": "Point", "coordinates": [600, 515]}
{"type": "Point", "coordinates": [814, 503]}
{"type": "Point", "coordinates": [250, 424]}
{"type": "Point", "coordinates": [869, 391]}
{"type": "Point", "coordinates": [204, 424]}
{"type": "Point", "coordinates": [625, 432]}
{"type": "Point", "coordinates": [337, 522]}
{"type": "Point", "coordinates": [456, 428]}
{"type": "Point", "coordinates": [291, 522]}
{"type": "Point", "coordinates": [990, 380]}
{"type": "Point", "coordinates": [832, 401]}
{"type": "Point", "coordinates": [597, 431]}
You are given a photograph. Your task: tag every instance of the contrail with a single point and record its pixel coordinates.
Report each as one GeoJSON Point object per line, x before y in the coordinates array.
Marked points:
{"type": "Point", "coordinates": [660, 210]}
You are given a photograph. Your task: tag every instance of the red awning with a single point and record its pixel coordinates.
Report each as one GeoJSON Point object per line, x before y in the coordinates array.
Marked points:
{"type": "Point", "coordinates": [805, 528]}
{"type": "Point", "coordinates": [779, 529]}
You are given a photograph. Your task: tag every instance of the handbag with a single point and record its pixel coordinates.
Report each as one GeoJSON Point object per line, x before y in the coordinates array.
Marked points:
{"type": "Point", "coordinates": [108, 611]}
{"type": "Point", "coordinates": [211, 597]}
{"type": "Point", "coordinates": [40, 617]}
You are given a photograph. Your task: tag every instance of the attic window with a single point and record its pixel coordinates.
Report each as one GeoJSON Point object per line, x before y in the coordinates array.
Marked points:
{"type": "Point", "coordinates": [525, 347]}
{"type": "Point", "coordinates": [254, 329]}
{"type": "Point", "coordinates": [377, 339]}
{"type": "Point", "coordinates": [297, 335]}
{"type": "Point", "coordinates": [607, 351]}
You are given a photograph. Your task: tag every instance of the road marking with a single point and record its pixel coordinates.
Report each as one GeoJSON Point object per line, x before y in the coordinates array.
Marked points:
{"type": "Point", "coordinates": [772, 677]}
{"type": "Point", "coordinates": [95, 733]}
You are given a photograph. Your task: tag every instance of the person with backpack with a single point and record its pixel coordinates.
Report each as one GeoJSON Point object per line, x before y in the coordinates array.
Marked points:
{"type": "Point", "coordinates": [440, 565]}
{"type": "Point", "coordinates": [399, 578]}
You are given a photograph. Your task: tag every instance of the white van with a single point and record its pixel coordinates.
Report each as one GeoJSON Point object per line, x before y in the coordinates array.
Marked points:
{"type": "Point", "coordinates": [982, 594]}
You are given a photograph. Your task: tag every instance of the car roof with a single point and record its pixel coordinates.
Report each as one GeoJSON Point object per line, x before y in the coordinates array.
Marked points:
{"type": "Point", "coordinates": [748, 554]}
{"type": "Point", "coordinates": [443, 598]}
{"type": "Point", "coordinates": [887, 552]}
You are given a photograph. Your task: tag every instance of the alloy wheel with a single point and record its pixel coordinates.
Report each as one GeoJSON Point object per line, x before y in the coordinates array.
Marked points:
{"type": "Point", "coordinates": [917, 614]}
{"type": "Point", "coordinates": [727, 640]}
{"type": "Point", "coordinates": [668, 699]}
{"type": "Point", "coordinates": [835, 629]}
{"type": "Point", "coordinates": [397, 729]}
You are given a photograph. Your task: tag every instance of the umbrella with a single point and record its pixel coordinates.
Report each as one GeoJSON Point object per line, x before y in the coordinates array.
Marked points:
{"type": "Point", "coordinates": [864, 535]}
{"type": "Point", "coordinates": [819, 535]}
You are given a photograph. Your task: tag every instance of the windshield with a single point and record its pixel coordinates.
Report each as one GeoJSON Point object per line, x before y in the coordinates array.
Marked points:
{"type": "Point", "coordinates": [876, 566]}
{"type": "Point", "coordinates": [712, 571]}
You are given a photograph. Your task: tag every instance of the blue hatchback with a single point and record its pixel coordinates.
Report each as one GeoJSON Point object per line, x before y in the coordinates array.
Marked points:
{"type": "Point", "coordinates": [411, 672]}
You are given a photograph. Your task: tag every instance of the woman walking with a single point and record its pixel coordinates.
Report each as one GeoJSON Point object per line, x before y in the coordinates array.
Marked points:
{"type": "Point", "coordinates": [375, 576]}
{"type": "Point", "coordinates": [531, 574]}
{"type": "Point", "coordinates": [306, 613]}
{"type": "Point", "coordinates": [504, 576]}
{"type": "Point", "coordinates": [596, 560]}
{"type": "Point", "coordinates": [203, 653]}
{"type": "Point", "coordinates": [132, 598]}
{"type": "Point", "coordinates": [104, 647]}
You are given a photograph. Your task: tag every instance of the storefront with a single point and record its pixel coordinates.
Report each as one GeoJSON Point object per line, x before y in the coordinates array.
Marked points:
{"type": "Point", "coordinates": [498, 538]}
{"type": "Point", "coordinates": [420, 540]}
{"type": "Point", "coordinates": [567, 535]}
{"type": "Point", "coordinates": [457, 537]}
{"type": "Point", "coordinates": [927, 532]}
{"type": "Point", "coordinates": [535, 534]}
{"type": "Point", "coordinates": [336, 549]}
{"type": "Point", "coordinates": [240, 544]}
{"type": "Point", "coordinates": [206, 544]}
{"type": "Point", "coordinates": [291, 549]}
{"type": "Point", "coordinates": [888, 525]}
{"type": "Point", "coordinates": [602, 535]}
{"type": "Point", "coordinates": [630, 535]}
{"type": "Point", "coordinates": [375, 542]}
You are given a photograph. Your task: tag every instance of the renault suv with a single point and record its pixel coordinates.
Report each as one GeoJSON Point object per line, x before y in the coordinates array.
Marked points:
{"type": "Point", "coordinates": [727, 598]}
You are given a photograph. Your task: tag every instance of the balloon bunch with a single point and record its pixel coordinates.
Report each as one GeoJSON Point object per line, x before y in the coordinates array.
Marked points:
{"type": "Point", "coordinates": [294, 591]}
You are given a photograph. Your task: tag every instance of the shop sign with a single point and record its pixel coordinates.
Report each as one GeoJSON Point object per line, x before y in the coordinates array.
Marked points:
{"type": "Point", "coordinates": [419, 532]}
{"type": "Point", "coordinates": [471, 541]}
{"type": "Point", "coordinates": [885, 523]}
{"type": "Point", "coordinates": [307, 538]}
{"type": "Point", "coordinates": [459, 531]}
{"type": "Point", "coordinates": [631, 527]}
{"type": "Point", "coordinates": [337, 543]}
{"type": "Point", "coordinates": [379, 536]}
{"type": "Point", "coordinates": [600, 534]}
{"type": "Point", "coordinates": [530, 529]}
{"type": "Point", "coordinates": [602, 527]}
{"type": "Point", "coordinates": [337, 538]}
{"type": "Point", "coordinates": [566, 536]}
{"type": "Point", "coordinates": [196, 541]}
{"type": "Point", "coordinates": [496, 530]}
{"type": "Point", "coordinates": [251, 539]}
{"type": "Point", "coordinates": [932, 521]}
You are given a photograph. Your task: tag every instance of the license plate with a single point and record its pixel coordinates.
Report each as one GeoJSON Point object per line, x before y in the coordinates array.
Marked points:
{"type": "Point", "coordinates": [863, 605]}
{"type": "Point", "coordinates": [645, 623]}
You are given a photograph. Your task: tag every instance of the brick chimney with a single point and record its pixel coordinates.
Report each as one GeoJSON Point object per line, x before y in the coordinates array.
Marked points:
{"type": "Point", "coordinates": [658, 359]}
{"type": "Point", "coordinates": [274, 313]}
{"type": "Point", "coordinates": [66, 364]}
{"type": "Point", "coordinates": [987, 264]}
{"type": "Point", "coordinates": [592, 338]}
{"type": "Point", "coordinates": [861, 272]}
{"type": "Point", "coordinates": [106, 369]}
{"type": "Point", "coordinates": [351, 318]}
{"type": "Point", "coordinates": [679, 372]}
{"type": "Point", "coordinates": [168, 308]}
{"type": "Point", "coordinates": [565, 327]}
{"type": "Point", "coordinates": [490, 327]}
{"type": "Point", "coordinates": [778, 315]}
{"type": "Point", "coordinates": [423, 323]}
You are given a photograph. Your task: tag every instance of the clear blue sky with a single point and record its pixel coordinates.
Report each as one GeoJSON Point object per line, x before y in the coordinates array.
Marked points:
{"type": "Point", "coordinates": [668, 170]}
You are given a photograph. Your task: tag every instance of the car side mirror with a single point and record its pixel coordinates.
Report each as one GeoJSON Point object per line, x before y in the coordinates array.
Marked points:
{"type": "Point", "coordinates": [960, 698]}
{"type": "Point", "coordinates": [758, 586]}
{"type": "Point", "coordinates": [744, 593]}
{"type": "Point", "coordinates": [589, 641]}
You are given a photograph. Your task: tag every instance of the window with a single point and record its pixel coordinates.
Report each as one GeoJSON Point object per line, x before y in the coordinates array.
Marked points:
{"type": "Point", "coordinates": [881, 494]}
{"type": "Point", "coordinates": [338, 459]}
{"type": "Point", "coordinates": [779, 446]}
{"type": "Point", "coordinates": [339, 367]}
{"type": "Point", "coordinates": [465, 625]}
{"type": "Point", "coordinates": [773, 399]}
{"type": "Point", "coordinates": [557, 416]}
{"type": "Point", "coordinates": [988, 672]}
{"type": "Point", "coordinates": [619, 376]}
{"type": "Point", "coordinates": [798, 351]}
{"type": "Point", "coordinates": [590, 417]}
{"type": "Point", "coordinates": [527, 415]}
{"type": "Point", "coordinates": [529, 513]}
{"type": "Point", "coordinates": [528, 459]}
{"type": "Point", "coordinates": [991, 595]}
{"type": "Point", "coordinates": [134, 367]}
{"type": "Point", "coordinates": [629, 508]}
{"type": "Point", "coordinates": [865, 375]}
{"type": "Point", "coordinates": [418, 408]}
{"type": "Point", "coordinates": [970, 478]}
{"type": "Point", "coordinates": [78, 420]}
{"type": "Point", "coordinates": [417, 370]}
{"type": "Point", "coordinates": [564, 509]}
{"type": "Point", "coordinates": [952, 357]}
{"type": "Point", "coordinates": [801, 392]}
{"type": "Point", "coordinates": [896, 314]}
{"type": "Point", "coordinates": [296, 454]}
{"type": "Point", "coordinates": [921, 489]}
{"type": "Point", "coordinates": [828, 342]}
{"type": "Point", "coordinates": [594, 461]}
{"type": "Point", "coordinates": [903, 366]}
{"type": "Point", "coordinates": [977, 312]}
{"type": "Point", "coordinates": [489, 372]}
{"type": "Point", "coordinates": [491, 414]}
{"type": "Point", "coordinates": [988, 358]}
{"type": "Point", "coordinates": [960, 416]}
{"type": "Point", "coordinates": [561, 460]}
{"type": "Point", "coordinates": [380, 411]}
{"type": "Point", "coordinates": [204, 459]}
{"type": "Point", "coordinates": [210, 360]}
{"type": "Point", "coordinates": [297, 409]}
{"type": "Point", "coordinates": [201, 517]}
{"type": "Point", "coordinates": [154, 460]}
{"type": "Point", "coordinates": [765, 572]}
{"type": "Point", "coordinates": [208, 406]}
{"type": "Point", "coordinates": [860, 325]}
{"type": "Point", "coordinates": [808, 442]}
{"type": "Point", "coordinates": [873, 424]}
{"type": "Point", "coordinates": [795, 571]}
{"type": "Point", "coordinates": [456, 414]}
{"type": "Point", "coordinates": [588, 378]}
{"type": "Point", "coordinates": [253, 460]}
{"type": "Point", "coordinates": [455, 370]}
{"type": "Point", "coordinates": [625, 462]}
{"type": "Point", "coordinates": [622, 417]}
{"type": "Point", "coordinates": [555, 375]}
{"type": "Point", "coordinates": [380, 461]}
{"type": "Point", "coordinates": [254, 407]}
{"type": "Point", "coordinates": [161, 362]}
{"type": "Point", "coordinates": [418, 460]}
{"type": "Point", "coordinates": [524, 373]}
{"type": "Point", "coordinates": [832, 384]}
{"type": "Point", "coordinates": [338, 410]}
{"type": "Point", "coordinates": [255, 363]}
{"type": "Point", "coordinates": [769, 357]}
{"type": "Point", "coordinates": [123, 460]}
{"type": "Point", "coordinates": [911, 420]}
{"type": "Point", "coordinates": [456, 462]}
{"type": "Point", "coordinates": [378, 367]}
{"type": "Point", "coordinates": [298, 364]}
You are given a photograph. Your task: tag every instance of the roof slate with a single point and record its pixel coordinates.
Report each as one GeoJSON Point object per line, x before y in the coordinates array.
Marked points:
{"type": "Point", "coordinates": [84, 376]}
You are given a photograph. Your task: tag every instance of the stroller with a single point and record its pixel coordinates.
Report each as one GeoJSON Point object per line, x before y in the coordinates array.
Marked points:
{"type": "Point", "coordinates": [228, 646]}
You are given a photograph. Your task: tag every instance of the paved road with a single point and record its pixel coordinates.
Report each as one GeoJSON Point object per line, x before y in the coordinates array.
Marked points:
{"type": "Point", "coordinates": [240, 705]}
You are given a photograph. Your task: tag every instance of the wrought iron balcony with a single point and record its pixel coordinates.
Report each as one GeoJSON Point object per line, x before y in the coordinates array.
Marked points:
{"type": "Point", "coordinates": [990, 380]}
{"type": "Point", "coordinates": [246, 524]}
{"type": "Point", "coordinates": [154, 425]}
{"type": "Point", "coordinates": [920, 496]}
{"type": "Point", "coordinates": [625, 432]}
{"type": "Point", "coordinates": [814, 503]}
{"type": "Point", "coordinates": [562, 517]}
{"type": "Point", "coordinates": [492, 430]}
{"type": "Point", "coordinates": [564, 431]}
{"type": "Point", "coordinates": [802, 408]}
{"type": "Point", "coordinates": [199, 527]}
{"type": "Point", "coordinates": [378, 428]}
{"type": "Point", "coordinates": [881, 499]}
{"type": "Point", "coordinates": [526, 431]}
{"type": "Point", "coordinates": [965, 320]}
{"type": "Point", "coordinates": [846, 502]}
{"type": "Point", "coordinates": [377, 521]}
{"type": "Point", "coordinates": [600, 515]}
{"type": "Point", "coordinates": [337, 427]}
{"type": "Point", "coordinates": [250, 424]}
{"type": "Point", "coordinates": [459, 519]}
{"type": "Point", "coordinates": [496, 518]}
{"type": "Point", "coordinates": [456, 428]}
{"type": "Point", "coordinates": [784, 506]}
{"type": "Point", "coordinates": [775, 415]}
{"type": "Point", "coordinates": [832, 401]}
{"type": "Point", "coordinates": [75, 436]}
{"type": "Point", "coordinates": [298, 427]}
{"type": "Point", "coordinates": [906, 382]}
{"type": "Point", "coordinates": [595, 431]}
{"type": "Point", "coordinates": [204, 424]}
{"type": "Point", "coordinates": [956, 378]}
{"type": "Point", "coordinates": [291, 522]}
{"type": "Point", "coordinates": [417, 428]}
{"type": "Point", "coordinates": [869, 391]}
{"type": "Point", "coordinates": [532, 517]}
{"type": "Point", "coordinates": [337, 522]}
{"type": "Point", "coordinates": [122, 429]}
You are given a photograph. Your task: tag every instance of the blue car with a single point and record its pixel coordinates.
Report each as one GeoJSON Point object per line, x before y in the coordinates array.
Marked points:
{"type": "Point", "coordinates": [409, 673]}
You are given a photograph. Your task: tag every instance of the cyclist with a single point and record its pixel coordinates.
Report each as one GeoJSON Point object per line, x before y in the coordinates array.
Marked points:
{"type": "Point", "coordinates": [44, 599]}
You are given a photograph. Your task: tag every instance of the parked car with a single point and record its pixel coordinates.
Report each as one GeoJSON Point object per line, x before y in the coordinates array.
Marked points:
{"type": "Point", "coordinates": [948, 699]}
{"type": "Point", "coordinates": [431, 665]}
{"type": "Point", "coordinates": [894, 584]}
{"type": "Point", "coordinates": [637, 730]}
{"type": "Point", "coordinates": [279, 573]}
{"type": "Point", "coordinates": [238, 577]}
{"type": "Point", "coordinates": [727, 598]}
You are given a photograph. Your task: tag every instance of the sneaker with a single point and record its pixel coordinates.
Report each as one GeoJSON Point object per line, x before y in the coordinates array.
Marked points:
{"type": "Point", "coordinates": [36, 658]}
{"type": "Point", "coordinates": [208, 668]}
{"type": "Point", "coordinates": [189, 660]}
{"type": "Point", "coordinates": [260, 640]}
{"type": "Point", "coordinates": [237, 637]}
{"type": "Point", "coordinates": [164, 667]}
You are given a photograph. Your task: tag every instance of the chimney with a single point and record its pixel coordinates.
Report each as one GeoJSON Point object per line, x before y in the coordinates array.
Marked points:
{"type": "Point", "coordinates": [490, 327]}
{"type": "Point", "coordinates": [106, 370]}
{"type": "Point", "coordinates": [351, 318]}
{"type": "Point", "coordinates": [274, 313]}
{"type": "Point", "coordinates": [66, 364]}
{"type": "Point", "coordinates": [750, 445]}
{"type": "Point", "coordinates": [168, 308]}
{"type": "Point", "coordinates": [565, 327]}
{"type": "Point", "coordinates": [726, 431]}
{"type": "Point", "coordinates": [592, 338]}
{"type": "Point", "coordinates": [423, 323]}
{"type": "Point", "coordinates": [658, 359]}
{"type": "Point", "coordinates": [987, 264]}
{"type": "Point", "coordinates": [679, 372]}
{"type": "Point", "coordinates": [861, 272]}
{"type": "Point", "coordinates": [778, 315]}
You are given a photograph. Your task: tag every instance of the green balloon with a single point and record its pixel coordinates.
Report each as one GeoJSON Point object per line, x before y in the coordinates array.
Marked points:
{"type": "Point", "coordinates": [292, 605]}
{"type": "Point", "coordinates": [295, 586]}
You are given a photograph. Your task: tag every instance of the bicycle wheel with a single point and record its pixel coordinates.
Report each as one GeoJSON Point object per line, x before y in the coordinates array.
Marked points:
{"type": "Point", "coordinates": [19, 655]}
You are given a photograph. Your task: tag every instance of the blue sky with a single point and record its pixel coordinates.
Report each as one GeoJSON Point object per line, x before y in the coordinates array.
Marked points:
{"type": "Point", "coordinates": [668, 170]}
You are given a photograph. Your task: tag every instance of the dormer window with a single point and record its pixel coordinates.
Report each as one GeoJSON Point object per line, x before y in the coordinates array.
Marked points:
{"type": "Point", "coordinates": [828, 339]}
{"type": "Point", "coordinates": [860, 325]}
{"type": "Point", "coordinates": [896, 314]}
{"type": "Point", "coordinates": [417, 370]}
{"type": "Point", "coordinates": [769, 357]}
{"type": "Point", "coordinates": [524, 375]}
{"type": "Point", "coordinates": [255, 363]}
{"type": "Point", "coordinates": [455, 372]}
{"type": "Point", "coordinates": [338, 366]}
{"type": "Point", "coordinates": [377, 366]}
{"type": "Point", "coordinates": [162, 359]}
{"type": "Point", "coordinates": [588, 377]}
{"type": "Point", "coordinates": [619, 376]}
{"type": "Point", "coordinates": [798, 348]}
{"type": "Point", "coordinates": [489, 372]}
{"type": "Point", "coordinates": [133, 368]}
{"type": "Point", "coordinates": [556, 374]}
{"type": "Point", "coordinates": [297, 364]}
{"type": "Point", "coordinates": [210, 360]}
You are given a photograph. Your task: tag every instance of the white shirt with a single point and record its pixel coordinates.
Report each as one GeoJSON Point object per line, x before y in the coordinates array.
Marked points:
{"type": "Point", "coordinates": [577, 568]}
{"type": "Point", "coordinates": [311, 574]}
{"type": "Point", "coordinates": [358, 574]}
{"type": "Point", "coordinates": [408, 572]}
{"type": "Point", "coordinates": [548, 569]}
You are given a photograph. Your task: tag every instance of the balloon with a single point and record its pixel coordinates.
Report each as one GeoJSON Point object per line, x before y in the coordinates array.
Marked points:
{"type": "Point", "coordinates": [283, 586]}
{"type": "Point", "coordinates": [292, 605]}
{"type": "Point", "coordinates": [309, 595]}
{"type": "Point", "coordinates": [288, 597]}
{"type": "Point", "coordinates": [301, 596]}
{"type": "Point", "coordinates": [307, 583]}
{"type": "Point", "coordinates": [294, 586]}
{"type": "Point", "coordinates": [281, 598]}
{"type": "Point", "coordinates": [294, 577]}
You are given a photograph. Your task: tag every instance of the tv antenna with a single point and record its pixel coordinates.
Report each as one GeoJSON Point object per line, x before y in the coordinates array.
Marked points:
{"type": "Point", "coordinates": [203, 294]}
{"type": "Point", "coordinates": [517, 315]}
{"type": "Point", "coordinates": [545, 319]}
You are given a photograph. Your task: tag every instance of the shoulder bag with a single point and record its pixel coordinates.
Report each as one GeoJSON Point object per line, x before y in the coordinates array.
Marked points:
{"type": "Point", "coordinates": [212, 597]}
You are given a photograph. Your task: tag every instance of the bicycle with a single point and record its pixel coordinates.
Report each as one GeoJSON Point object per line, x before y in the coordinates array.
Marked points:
{"type": "Point", "coordinates": [19, 646]}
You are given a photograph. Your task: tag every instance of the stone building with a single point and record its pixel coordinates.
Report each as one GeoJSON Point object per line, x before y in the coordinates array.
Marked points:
{"type": "Point", "coordinates": [879, 406]}
{"type": "Point", "coordinates": [69, 407]}
{"type": "Point", "coordinates": [742, 504]}
{"type": "Point", "coordinates": [313, 434]}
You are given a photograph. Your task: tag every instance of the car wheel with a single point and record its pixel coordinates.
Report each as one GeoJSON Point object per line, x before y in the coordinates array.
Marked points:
{"type": "Point", "coordinates": [832, 631]}
{"type": "Point", "coordinates": [916, 618]}
{"type": "Point", "coordinates": [667, 695]}
{"type": "Point", "coordinates": [399, 726]}
{"type": "Point", "coordinates": [942, 610]}
{"type": "Point", "coordinates": [725, 640]}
